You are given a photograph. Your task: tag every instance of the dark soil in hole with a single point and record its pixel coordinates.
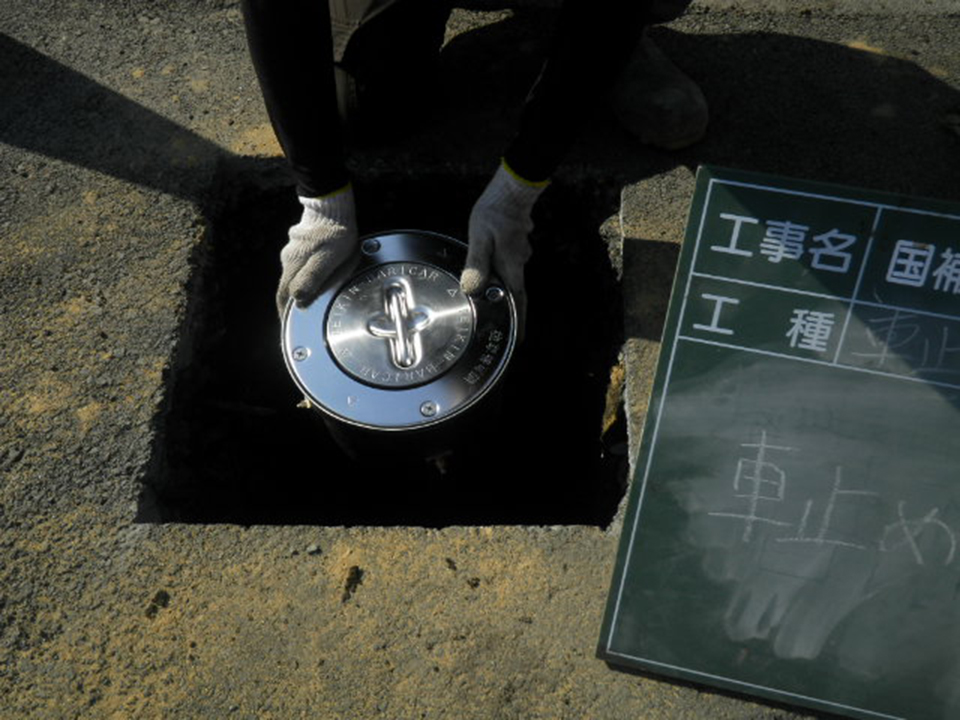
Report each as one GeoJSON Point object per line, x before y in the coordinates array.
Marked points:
{"type": "Point", "coordinates": [237, 449]}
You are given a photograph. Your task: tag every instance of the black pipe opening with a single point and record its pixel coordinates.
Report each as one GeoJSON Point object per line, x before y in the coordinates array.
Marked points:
{"type": "Point", "coordinates": [237, 449]}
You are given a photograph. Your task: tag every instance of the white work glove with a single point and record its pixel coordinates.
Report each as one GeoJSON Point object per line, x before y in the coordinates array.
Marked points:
{"type": "Point", "coordinates": [499, 226]}
{"type": "Point", "coordinates": [322, 242]}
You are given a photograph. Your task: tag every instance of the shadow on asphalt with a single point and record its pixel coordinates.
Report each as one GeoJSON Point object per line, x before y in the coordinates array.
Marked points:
{"type": "Point", "coordinates": [779, 104]}
{"type": "Point", "coordinates": [51, 109]}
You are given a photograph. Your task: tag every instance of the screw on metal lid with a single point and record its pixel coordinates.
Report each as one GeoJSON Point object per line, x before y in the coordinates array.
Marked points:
{"type": "Point", "coordinates": [399, 346]}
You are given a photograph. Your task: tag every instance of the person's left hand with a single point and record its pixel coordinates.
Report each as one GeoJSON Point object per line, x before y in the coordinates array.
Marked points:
{"type": "Point", "coordinates": [499, 227]}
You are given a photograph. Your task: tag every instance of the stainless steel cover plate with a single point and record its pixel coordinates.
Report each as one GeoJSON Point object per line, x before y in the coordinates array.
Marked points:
{"type": "Point", "coordinates": [399, 346]}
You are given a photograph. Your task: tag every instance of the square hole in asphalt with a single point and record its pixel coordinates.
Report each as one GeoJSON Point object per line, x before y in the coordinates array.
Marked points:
{"type": "Point", "coordinates": [234, 447]}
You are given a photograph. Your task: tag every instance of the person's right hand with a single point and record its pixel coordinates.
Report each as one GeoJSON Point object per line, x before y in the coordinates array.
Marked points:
{"type": "Point", "coordinates": [324, 240]}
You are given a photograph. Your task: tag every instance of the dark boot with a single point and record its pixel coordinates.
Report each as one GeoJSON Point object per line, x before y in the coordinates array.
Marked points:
{"type": "Point", "coordinates": [657, 102]}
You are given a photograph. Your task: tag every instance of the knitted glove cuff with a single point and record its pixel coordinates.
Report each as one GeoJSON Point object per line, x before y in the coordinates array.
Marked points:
{"type": "Point", "coordinates": [507, 189]}
{"type": "Point", "coordinates": [520, 178]}
{"type": "Point", "coordinates": [336, 209]}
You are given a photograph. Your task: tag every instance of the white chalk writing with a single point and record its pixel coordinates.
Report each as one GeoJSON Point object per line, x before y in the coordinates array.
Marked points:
{"type": "Point", "coordinates": [718, 302]}
{"type": "Point", "coordinates": [810, 329]}
{"type": "Point", "coordinates": [910, 263]}
{"type": "Point", "coordinates": [757, 479]}
{"type": "Point", "coordinates": [926, 538]}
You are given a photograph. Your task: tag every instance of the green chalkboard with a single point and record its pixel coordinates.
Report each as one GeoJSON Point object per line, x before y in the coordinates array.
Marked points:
{"type": "Point", "coordinates": [792, 530]}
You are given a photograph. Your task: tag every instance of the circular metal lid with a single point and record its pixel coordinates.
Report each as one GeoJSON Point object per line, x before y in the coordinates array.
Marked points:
{"type": "Point", "coordinates": [399, 346]}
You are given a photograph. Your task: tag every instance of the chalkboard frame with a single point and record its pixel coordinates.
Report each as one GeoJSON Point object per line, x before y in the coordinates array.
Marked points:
{"type": "Point", "coordinates": [607, 647]}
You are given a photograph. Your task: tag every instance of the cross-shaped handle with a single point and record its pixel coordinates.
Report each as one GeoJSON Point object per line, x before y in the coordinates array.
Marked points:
{"type": "Point", "coordinates": [401, 324]}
